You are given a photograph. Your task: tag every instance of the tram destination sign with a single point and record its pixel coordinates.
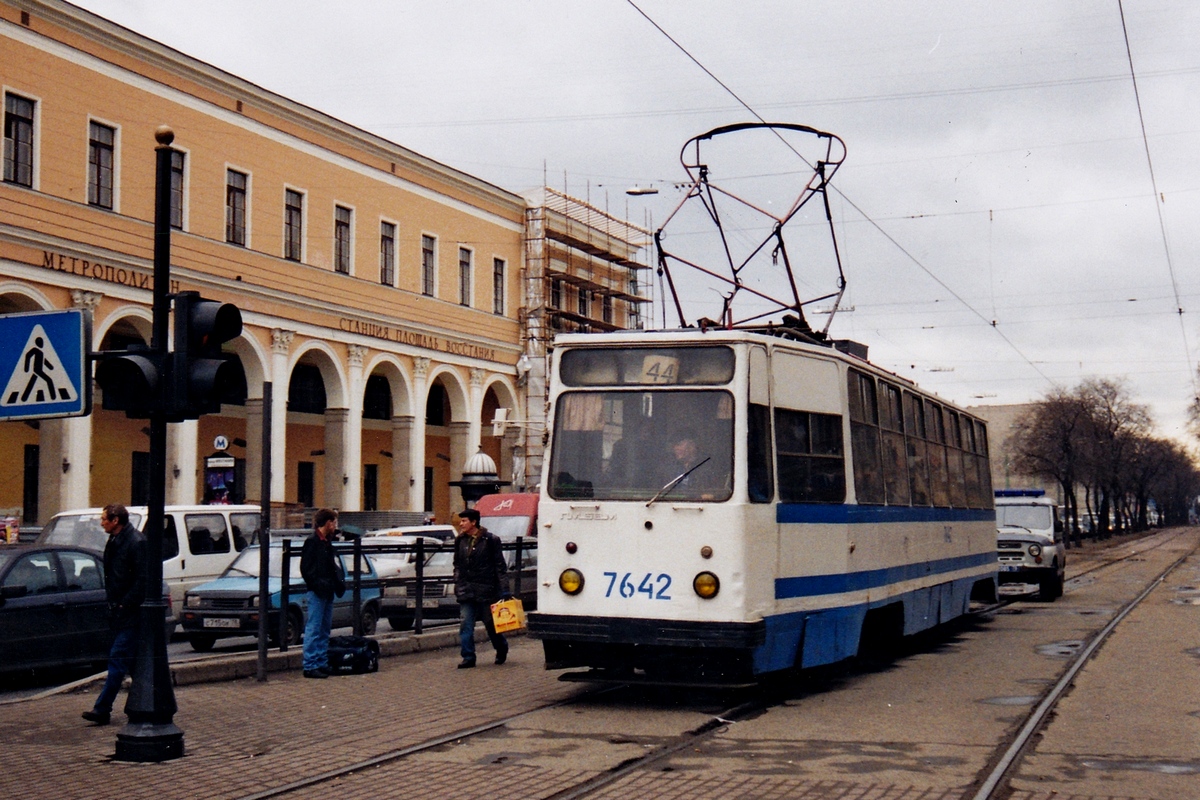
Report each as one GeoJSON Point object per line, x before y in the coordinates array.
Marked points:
{"type": "Point", "coordinates": [44, 364]}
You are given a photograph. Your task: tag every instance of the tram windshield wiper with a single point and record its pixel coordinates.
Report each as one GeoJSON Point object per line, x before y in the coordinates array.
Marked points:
{"type": "Point", "coordinates": [671, 484]}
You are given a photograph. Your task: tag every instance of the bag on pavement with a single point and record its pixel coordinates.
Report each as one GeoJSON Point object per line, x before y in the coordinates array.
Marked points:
{"type": "Point", "coordinates": [508, 615]}
{"type": "Point", "coordinates": [351, 655]}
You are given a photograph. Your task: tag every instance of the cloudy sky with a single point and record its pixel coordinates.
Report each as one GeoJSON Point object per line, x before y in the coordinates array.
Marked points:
{"type": "Point", "coordinates": [1008, 220]}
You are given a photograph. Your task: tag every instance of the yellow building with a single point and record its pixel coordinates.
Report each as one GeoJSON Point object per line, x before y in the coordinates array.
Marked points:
{"type": "Point", "coordinates": [380, 290]}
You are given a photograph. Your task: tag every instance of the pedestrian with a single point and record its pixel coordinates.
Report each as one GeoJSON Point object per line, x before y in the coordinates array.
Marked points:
{"type": "Point", "coordinates": [324, 579]}
{"type": "Point", "coordinates": [479, 581]}
{"type": "Point", "coordinates": [125, 591]}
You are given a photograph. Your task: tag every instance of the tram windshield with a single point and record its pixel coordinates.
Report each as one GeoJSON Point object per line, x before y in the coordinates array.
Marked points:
{"type": "Point", "coordinates": [632, 445]}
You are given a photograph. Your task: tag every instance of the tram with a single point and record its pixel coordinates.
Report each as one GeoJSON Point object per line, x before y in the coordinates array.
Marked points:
{"type": "Point", "coordinates": [718, 505]}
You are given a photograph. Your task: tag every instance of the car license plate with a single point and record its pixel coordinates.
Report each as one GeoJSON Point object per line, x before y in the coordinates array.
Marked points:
{"type": "Point", "coordinates": [1005, 568]}
{"type": "Point", "coordinates": [424, 604]}
{"type": "Point", "coordinates": [222, 622]}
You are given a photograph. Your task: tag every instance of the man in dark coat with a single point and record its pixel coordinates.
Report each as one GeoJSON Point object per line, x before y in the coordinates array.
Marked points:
{"type": "Point", "coordinates": [125, 590]}
{"type": "Point", "coordinates": [479, 581]}
{"type": "Point", "coordinates": [322, 573]}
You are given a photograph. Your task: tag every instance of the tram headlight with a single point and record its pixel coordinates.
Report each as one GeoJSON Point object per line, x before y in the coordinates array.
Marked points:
{"type": "Point", "coordinates": [706, 585]}
{"type": "Point", "coordinates": [571, 581]}
{"type": "Point", "coordinates": [1035, 550]}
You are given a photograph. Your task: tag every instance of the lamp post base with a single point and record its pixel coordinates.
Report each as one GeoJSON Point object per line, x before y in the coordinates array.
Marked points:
{"type": "Point", "coordinates": [149, 741]}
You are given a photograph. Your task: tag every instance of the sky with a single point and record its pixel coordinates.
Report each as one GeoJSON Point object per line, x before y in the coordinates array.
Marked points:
{"type": "Point", "coordinates": [1016, 210]}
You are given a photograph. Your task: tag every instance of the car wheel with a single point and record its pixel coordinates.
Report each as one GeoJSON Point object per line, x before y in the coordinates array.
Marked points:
{"type": "Point", "coordinates": [202, 642]}
{"type": "Point", "coordinates": [400, 622]}
{"type": "Point", "coordinates": [1049, 588]}
{"type": "Point", "coordinates": [368, 619]}
{"type": "Point", "coordinates": [294, 632]}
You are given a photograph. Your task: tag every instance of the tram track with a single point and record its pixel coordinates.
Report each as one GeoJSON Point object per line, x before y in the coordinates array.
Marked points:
{"type": "Point", "coordinates": [1006, 759]}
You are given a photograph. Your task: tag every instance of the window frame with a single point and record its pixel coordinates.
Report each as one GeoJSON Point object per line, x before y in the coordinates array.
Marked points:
{"type": "Point", "coordinates": [343, 239]}
{"type": "Point", "coordinates": [179, 192]}
{"type": "Point", "coordinates": [97, 170]}
{"type": "Point", "coordinates": [387, 255]}
{"type": "Point", "coordinates": [429, 256]}
{"type": "Point", "coordinates": [466, 276]}
{"type": "Point", "coordinates": [293, 222]}
{"type": "Point", "coordinates": [11, 151]}
{"type": "Point", "coordinates": [243, 192]}
{"type": "Point", "coordinates": [499, 268]}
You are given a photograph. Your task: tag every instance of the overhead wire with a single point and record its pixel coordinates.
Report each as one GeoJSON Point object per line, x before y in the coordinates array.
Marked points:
{"type": "Point", "coordinates": [1162, 225]}
{"type": "Point", "coordinates": [891, 239]}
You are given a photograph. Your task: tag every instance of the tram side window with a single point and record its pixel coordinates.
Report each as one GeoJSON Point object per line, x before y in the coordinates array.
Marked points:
{"type": "Point", "coordinates": [914, 440]}
{"type": "Point", "coordinates": [985, 469]}
{"type": "Point", "coordinates": [954, 456]}
{"type": "Point", "coordinates": [812, 466]}
{"type": "Point", "coordinates": [939, 470]}
{"type": "Point", "coordinates": [864, 439]}
{"type": "Point", "coordinates": [895, 459]}
{"type": "Point", "coordinates": [970, 462]}
{"type": "Point", "coordinates": [760, 485]}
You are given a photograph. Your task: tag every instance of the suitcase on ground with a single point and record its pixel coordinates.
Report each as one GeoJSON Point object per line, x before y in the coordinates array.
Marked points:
{"type": "Point", "coordinates": [352, 655]}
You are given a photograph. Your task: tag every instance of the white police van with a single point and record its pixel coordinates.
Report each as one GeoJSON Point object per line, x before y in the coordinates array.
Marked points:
{"type": "Point", "coordinates": [1029, 540]}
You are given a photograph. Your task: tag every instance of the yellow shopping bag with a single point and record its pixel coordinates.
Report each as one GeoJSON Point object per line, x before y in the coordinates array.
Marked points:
{"type": "Point", "coordinates": [508, 615]}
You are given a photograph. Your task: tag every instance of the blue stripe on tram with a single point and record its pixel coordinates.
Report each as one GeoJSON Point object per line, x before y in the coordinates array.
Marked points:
{"type": "Point", "coordinates": [840, 514]}
{"type": "Point", "coordinates": [813, 585]}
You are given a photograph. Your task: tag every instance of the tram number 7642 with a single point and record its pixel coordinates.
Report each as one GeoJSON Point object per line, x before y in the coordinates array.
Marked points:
{"type": "Point", "coordinates": [653, 586]}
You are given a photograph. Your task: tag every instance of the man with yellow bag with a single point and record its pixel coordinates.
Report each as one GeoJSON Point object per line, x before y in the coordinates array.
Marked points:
{"type": "Point", "coordinates": [479, 581]}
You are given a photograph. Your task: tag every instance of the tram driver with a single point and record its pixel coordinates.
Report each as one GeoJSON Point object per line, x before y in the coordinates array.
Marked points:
{"type": "Point", "coordinates": [705, 476]}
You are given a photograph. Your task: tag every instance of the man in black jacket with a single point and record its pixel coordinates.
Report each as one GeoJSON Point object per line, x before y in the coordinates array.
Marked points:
{"type": "Point", "coordinates": [125, 590]}
{"type": "Point", "coordinates": [479, 581]}
{"type": "Point", "coordinates": [322, 573]}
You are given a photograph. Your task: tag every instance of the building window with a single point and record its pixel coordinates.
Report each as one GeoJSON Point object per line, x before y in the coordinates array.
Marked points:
{"type": "Point", "coordinates": [18, 140]}
{"type": "Point", "coordinates": [428, 269]}
{"type": "Point", "coordinates": [341, 239]}
{"type": "Point", "coordinates": [606, 309]}
{"type": "Point", "coordinates": [293, 225]}
{"type": "Point", "coordinates": [584, 305]}
{"type": "Point", "coordinates": [498, 286]}
{"type": "Point", "coordinates": [101, 153]}
{"type": "Point", "coordinates": [555, 293]}
{"type": "Point", "coordinates": [387, 253]}
{"type": "Point", "coordinates": [235, 207]}
{"type": "Point", "coordinates": [464, 276]}
{"type": "Point", "coordinates": [177, 190]}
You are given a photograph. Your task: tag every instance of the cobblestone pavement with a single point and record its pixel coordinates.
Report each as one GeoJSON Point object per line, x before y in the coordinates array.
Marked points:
{"type": "Point", "coordinates": [244, 737]}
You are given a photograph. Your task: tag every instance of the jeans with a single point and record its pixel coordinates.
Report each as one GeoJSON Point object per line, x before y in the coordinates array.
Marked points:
{"type": "Point", "coordinates": [120, 662]}
{"type": "Point", "coordinates": [471, 611]}
{"type": "Point", "coordinates": [316, 632]}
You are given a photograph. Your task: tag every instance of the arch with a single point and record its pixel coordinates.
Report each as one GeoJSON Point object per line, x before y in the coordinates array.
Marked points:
{"type": "Point", "coordinates": [391, 368]}
{"type": "Point", "coordinates": [254, 363]}
{"type": "Point", "coordinates": [139, 317]}
{"type": "Point", "coordinates": [456, 391]}
{"type": "Point", "coordinates": [16, 297]}
{"type": "Point", "coordinates": [506, 394]}
{"type": "Point", "coordinates": [327, 361]}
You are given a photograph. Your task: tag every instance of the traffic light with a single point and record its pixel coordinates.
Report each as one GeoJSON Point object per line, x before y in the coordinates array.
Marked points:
{"type": "Point", "coordinates": [130, 381]}
{"type": "Point", "coordinates": [201, 375]}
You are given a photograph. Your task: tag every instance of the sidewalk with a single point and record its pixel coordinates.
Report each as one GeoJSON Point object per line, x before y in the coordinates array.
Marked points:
{"type": "Point", "coordinates": [242, 736]}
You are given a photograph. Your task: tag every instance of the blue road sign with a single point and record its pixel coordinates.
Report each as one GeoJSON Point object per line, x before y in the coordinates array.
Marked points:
{"type": "Point", "coordinates": [44, 364]}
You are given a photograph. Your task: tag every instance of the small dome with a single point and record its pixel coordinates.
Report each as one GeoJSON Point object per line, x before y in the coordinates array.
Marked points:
{"type": "Point", "coordinates": [480, 464]}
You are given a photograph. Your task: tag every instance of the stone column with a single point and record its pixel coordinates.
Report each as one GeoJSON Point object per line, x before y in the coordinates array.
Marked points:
{"type": "Point", "coordinates": [402, 474]}
{"type": "Point", "coordinates": [281, 342]}
{"type": "Point", "coordinates": [352, 446]}
{"type": "Point", "coordinates": [508, 447]}
{"type": "Point", "coordinates": [183, 455]}
{"type": "Point", "coordinates": [336, 479]}
{"type": "Point", "coordinates": [475, 412]}
{"type": "Point", "coordinates": [460, 451]}
{"type": "Point", "coordinates": [254, 432]}
{"type": "Point", "coordinates": [417, 449]}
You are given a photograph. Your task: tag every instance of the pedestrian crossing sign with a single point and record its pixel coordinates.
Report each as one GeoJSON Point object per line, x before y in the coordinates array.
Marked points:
{"type": "Point", "coordinates": [44, 364]}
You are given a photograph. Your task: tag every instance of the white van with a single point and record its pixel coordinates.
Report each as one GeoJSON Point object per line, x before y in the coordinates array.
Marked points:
{"type": "Point", "coordinates": [1029, 540]}
{"type": "Point", "coordinates": [199, 542]}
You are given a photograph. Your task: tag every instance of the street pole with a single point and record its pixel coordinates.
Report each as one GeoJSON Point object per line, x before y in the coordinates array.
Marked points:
{"type": "Point", "coordinates": [264, 533]}
{"type": "Point", "coordinates": [150, 734]}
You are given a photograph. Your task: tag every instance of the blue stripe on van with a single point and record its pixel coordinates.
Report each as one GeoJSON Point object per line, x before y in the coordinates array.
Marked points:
{"type": "Point", "coordinates": [842, 514]}
{"type": "Point", "coordinates": [813, 585]}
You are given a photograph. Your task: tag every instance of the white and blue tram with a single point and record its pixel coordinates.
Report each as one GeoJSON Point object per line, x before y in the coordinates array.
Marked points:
{"type": "Point", "coordinates": [721, 505]}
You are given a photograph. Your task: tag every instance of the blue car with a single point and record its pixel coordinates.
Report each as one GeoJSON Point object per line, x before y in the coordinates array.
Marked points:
{"type": "Point", "coordinates": [228, 606]}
